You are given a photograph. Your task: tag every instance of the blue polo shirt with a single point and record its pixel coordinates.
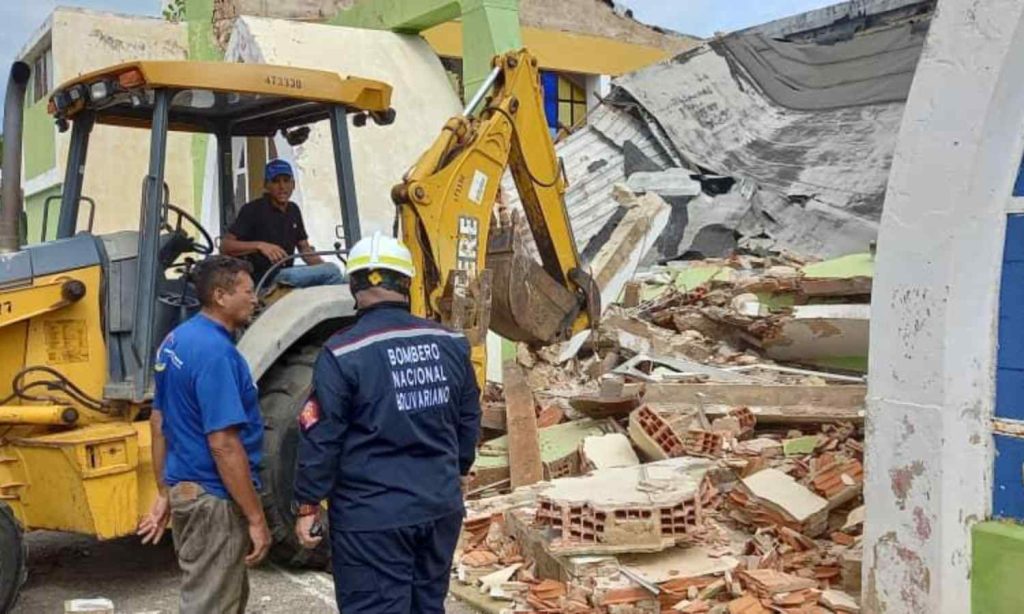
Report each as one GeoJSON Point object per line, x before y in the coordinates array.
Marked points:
{"type": "Point", "coordinates": [203, 384]}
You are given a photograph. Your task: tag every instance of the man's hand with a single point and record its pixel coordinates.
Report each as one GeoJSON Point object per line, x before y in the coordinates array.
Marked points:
{"type": "Point", "coordinates": [153, 525]}
{"type": "Point", "coordinates": [303, 528]}
{"type": "Point", "coordinates": [259, 533]}
{"type": "Point", "coordinates": [274, 253]}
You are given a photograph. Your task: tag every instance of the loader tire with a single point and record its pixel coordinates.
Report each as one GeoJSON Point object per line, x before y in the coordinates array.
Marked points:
{"type": "Point", "coordinates": [13, 559]}
{"type": "Point", "coordinates": [283, 391]}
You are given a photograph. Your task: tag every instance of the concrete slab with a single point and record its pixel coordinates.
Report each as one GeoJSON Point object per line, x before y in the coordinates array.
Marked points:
{"type": "Point", "coordinates": [782, 491]}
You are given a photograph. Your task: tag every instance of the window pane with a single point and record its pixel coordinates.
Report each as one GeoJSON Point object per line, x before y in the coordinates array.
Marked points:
{"type": "Point", "coordinates": [578, 95]}
{"type": "Point", "coordinates": [39, 77]}
{"type": "Point", "coordinates": [579, 111]}
{"type": "Point", "coordinates": [49, 70]}
{"type": "Point", "coordinates": [565, 113]}
{"type": "Point", "coordinates": [564, 89]}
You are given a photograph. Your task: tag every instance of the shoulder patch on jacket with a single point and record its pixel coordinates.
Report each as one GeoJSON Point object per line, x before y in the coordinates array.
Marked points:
{"type": "Point", "coordinates": [310, 414]}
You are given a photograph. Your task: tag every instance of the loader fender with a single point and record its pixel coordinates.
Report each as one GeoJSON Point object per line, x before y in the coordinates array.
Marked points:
{"type": "Point", "coordinates": [288, 320]}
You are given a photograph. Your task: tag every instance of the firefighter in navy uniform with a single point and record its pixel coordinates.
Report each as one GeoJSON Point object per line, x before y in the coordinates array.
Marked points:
{"type": "Point", "coordinates": [386, 437]}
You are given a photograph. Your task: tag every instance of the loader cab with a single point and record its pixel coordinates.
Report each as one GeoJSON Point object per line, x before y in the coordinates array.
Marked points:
{"type": "Point", "coordinates": [146, 270]}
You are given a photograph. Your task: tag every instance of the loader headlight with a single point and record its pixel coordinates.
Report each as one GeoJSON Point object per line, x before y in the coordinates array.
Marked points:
{"type": "Point", "coordinates": [100, 90]}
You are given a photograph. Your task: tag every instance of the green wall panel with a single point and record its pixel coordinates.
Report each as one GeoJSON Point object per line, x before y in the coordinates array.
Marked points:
{"type": "Point", "coordinates": [997, 568]}
{"type": "Point", "coordinates": [34, 209]}
{"type": "Point", "coordinates": [40, 143]}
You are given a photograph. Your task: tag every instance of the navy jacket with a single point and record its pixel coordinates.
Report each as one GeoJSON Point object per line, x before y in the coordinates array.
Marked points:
{"type": "Point", "coordinates": [391, 424]}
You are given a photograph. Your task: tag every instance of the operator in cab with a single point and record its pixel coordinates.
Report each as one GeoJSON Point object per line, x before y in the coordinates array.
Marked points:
{"type": "Point", "coordinates": [270, 229]}
{"type": "Point", "coordinates": [387, 436]}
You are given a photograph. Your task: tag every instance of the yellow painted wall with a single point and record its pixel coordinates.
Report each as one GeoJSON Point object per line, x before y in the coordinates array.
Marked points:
{"type": "Point", "coordinates": [561, 51]}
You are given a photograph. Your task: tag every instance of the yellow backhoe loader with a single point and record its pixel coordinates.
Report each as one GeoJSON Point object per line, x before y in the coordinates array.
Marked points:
{"type": "Point", "coordinates": [81, 315]}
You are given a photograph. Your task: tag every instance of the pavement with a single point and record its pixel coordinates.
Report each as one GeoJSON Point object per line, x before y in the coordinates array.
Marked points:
{"type": "Point", "coordinates": [144, 579]}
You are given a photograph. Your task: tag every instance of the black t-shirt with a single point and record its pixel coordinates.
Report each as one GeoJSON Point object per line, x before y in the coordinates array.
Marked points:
{"type": "Point", "coordinates": [260, 220]}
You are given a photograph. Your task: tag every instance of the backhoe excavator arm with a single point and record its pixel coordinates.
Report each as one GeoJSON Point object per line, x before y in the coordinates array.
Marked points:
{"type": "Point", "coordinates": [468, 257]}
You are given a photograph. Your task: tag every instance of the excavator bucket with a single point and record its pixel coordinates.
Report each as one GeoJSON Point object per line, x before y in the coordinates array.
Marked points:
{"type": "Point", "coordinates": [526, 303]}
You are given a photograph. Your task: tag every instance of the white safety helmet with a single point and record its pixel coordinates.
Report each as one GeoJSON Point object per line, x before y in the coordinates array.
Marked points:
{"type": "Point", "coordinates": [380, 252]}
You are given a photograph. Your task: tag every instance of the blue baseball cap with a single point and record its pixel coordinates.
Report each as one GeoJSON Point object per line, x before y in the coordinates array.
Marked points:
{"type": "Point", "coordinates": [276, 168]}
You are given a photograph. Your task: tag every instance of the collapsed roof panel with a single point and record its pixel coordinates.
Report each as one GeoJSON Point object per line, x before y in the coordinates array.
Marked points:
{"type": "Point", "coordinates": [799, 117]}
{"type": "Point", "coordinates": [718, 119]}
{"type": "Point", "coordinates": [872, 68]}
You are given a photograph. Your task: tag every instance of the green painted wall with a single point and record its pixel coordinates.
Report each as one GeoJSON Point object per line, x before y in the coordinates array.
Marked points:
{"type": "Point", "coordinates": [40, 142]}
{"type": "Point", "coordinates": [34, 210]}
{"type": "Point", "coordinates": [997, 566]}
{"type": "Point", "coordinates": [202, 46]}
{"type": "Point", "coordinates": [489, 27]}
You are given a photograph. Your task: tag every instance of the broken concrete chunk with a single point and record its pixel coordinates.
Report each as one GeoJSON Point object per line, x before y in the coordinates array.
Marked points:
{"type": "Point", "coordinates": [747, 305]}
{"type": "Point", "coordinates": [678, 563]}
{"type": "Point", "coordinates": [823, 335]}
{"type": "Point", "coordinates": [854, 519]}
{"type": "Point", "coordinates": [762, 446]}
{"type": "Point", "coordinates": [611, 386]}
{"type": "Point", "coordinates": [667, 183]}
{"type": "Point", "coordinates": [491, 581]}
{"type": "Point", "coordinates": [782, 491]}
{"type": "Point", "coordinates": [608, 451]}
{"type": "Point", "coordinates": [839, 601]}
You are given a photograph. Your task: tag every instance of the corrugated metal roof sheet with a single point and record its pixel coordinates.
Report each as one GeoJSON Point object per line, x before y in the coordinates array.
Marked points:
{"type": "Point", "coordinates": [594, 163]}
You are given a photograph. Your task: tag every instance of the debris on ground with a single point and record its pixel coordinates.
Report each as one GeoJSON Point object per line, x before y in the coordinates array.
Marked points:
{"type": "Point", "coordinates": [684, 468]}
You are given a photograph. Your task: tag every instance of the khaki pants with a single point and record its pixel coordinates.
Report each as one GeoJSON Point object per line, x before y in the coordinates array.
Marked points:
{"type": "Point", "coordinates": [211, 538]}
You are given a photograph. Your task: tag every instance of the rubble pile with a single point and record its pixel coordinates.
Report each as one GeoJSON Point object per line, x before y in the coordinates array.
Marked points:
{"type": "Point", "coordinates": [683, 468]}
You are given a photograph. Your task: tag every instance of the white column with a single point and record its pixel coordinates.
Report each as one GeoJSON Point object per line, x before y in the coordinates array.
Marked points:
{"type": "Point", "coordinates": [934, 310]}
{"type": "Point", "coordinates": [597, 87]}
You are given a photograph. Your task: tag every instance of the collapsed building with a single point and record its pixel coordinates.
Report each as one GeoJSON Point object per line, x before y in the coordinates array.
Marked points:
{"type": "Point", "coordinates": [779, 135]}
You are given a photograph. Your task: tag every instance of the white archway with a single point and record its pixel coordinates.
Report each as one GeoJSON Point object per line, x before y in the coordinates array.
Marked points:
{"type": "Point", "coordinates": [935, 310]}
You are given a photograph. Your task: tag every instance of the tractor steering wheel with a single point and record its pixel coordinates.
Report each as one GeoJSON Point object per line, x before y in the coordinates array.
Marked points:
{"type": "Point", "coordinates": [206, 247]}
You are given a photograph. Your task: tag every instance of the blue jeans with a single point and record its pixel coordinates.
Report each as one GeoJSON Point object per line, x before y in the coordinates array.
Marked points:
{"type": "Point", "coordinates": [323, 274]}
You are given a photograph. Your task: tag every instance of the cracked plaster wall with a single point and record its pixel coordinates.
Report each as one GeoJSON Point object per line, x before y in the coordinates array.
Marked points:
{"type": "Point", "coordinates": [118, 158]}
{"type": "Point", "coordinates": [934, 310]}
{"type": "Point", "coordinates": [422, 98]}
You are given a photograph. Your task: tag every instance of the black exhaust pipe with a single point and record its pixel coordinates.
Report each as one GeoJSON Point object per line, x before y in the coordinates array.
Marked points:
{"type": "Point", "coordinates": [10, 193]}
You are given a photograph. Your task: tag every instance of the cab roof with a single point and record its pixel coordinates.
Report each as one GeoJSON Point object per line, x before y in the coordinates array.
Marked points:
{"type": "Point", "coordinates": [245, 99]}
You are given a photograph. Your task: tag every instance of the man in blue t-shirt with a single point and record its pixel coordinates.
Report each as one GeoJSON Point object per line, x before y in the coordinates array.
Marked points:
{"type": "Point", "coordinates": [207, 444]}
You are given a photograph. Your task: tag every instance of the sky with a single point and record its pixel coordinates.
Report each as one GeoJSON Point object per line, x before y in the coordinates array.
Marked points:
{"type": "Point", "coordinates": [705, 17]}
{"type": "Point", "coordinates": [20, 18]}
